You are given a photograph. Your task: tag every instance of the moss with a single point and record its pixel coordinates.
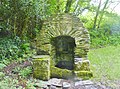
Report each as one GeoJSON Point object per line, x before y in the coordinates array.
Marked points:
{"type": "Point", "coordinates": [43, 75]}
{"type": "Point", "coordinates": [41, 57]}
{"type": "Point", "coordinates": [60, 73]}
{"type": "Point", "coordinates": [41, 67]}
{"type": "Point", "coordinates": [83, 65]}
{"type": "Point", "coordinates": [83, 74]}
{"type": "Point", "coordinates": [52, 63]}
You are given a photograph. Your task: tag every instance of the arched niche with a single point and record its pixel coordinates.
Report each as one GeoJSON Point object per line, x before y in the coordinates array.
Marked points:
{"type": "Point", "coordinates": [67, 27]}
{"type": "Point", "coordinates": [63, 49]}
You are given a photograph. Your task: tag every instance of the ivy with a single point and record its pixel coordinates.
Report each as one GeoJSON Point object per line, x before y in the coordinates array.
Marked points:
{"type": "Point", "coordinates": [13, 49]}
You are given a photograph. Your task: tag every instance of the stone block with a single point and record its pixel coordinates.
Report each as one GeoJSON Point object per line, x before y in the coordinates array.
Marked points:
{"type": "Point", "coordinates": [43, 75]}
{"type": "Point", "coordinates": [83, 74]}
{"type": "Point", "coordinates": [81, 64]}
{"type": "Point", "coordinates": [60, 73]}
{"type": "Point", "coordinates": [41, 67]}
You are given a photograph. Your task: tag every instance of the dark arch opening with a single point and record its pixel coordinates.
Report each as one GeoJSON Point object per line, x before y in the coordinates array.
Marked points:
{"type": "Point", "coordinates": [64, 51]}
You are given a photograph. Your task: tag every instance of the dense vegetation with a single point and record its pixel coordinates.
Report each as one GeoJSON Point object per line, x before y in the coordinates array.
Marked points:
{"type": "Point", "coordinates": [25, 18]}
{"type": "Point", "coordinates": [21, 21]}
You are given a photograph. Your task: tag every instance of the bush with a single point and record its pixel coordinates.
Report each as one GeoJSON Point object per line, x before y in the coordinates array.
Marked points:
{"type": "Point", "coordinates": [26, 71]}
{"type": "Point", "coordinates": [101, 38]}
{"type": "Point", "coordinates": [114, 39]}
{"type": "Point", "coordinates": [13, 49]}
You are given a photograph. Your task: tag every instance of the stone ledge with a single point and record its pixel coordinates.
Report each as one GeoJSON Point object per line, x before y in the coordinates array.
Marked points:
{"type": "Point", "coordinates": [83, 74]}
{"type": "Point", "coordinates": [60, 73]}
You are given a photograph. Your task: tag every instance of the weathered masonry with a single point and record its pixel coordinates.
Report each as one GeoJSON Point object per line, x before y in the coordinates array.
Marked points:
{"type": "Point", "coordinates": [67, 42]}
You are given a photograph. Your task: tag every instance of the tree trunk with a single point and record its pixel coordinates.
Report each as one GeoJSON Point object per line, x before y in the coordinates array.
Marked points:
{"type": "Point", "coordinates": [68, 6]}
{"type": "Point", "coordinates": [15, 27]}
{"type": "Point", "coordinates": [97, 13]}
{"type": "Point", "coordinates": [101, 17]}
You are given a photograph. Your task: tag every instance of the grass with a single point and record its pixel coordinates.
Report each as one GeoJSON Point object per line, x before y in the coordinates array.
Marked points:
{"type": "Point", "coordinates": [105, 62]}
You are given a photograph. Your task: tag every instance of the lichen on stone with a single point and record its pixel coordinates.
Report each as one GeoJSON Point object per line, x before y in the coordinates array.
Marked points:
{"type": "Point", "coordinates": [60, 73]}
{"type": "Point", "coordinates": [63, 25]}
{"type": "Point", "coordinates": [83, 74]}
{"type": "Point", "coordinates": [41, 67]}
{"type": "Point", "coordinates": [63, 37]}
{"type": "Point", "coordinates": [82, 65]}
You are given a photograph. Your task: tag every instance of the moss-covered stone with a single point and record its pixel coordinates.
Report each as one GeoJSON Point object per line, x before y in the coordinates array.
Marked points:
{"type": "Point", "coordinates": [43, 75]}
{"type": "Point", "coordinates": [63, 36]}
{"type": "Point", "coordinates": [60, 73]}
{"type": "Point", "coordinates": [52, 63]}
{"type": "Point", "coordinates": [82, 65]}
{"type": "Point", "coordinates": [41, 67]}
{"type": "Point", "coordinates": [83, 74]}
{"type": "Point", "coordinates": [67, 25]}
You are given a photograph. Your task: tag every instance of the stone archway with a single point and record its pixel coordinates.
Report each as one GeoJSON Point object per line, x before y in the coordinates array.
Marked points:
{"type": "Point", "coordinates": [68, 25]}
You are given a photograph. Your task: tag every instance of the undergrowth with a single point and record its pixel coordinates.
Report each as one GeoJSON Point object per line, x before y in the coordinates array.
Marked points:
{"type": "Point", "coordinates": [13, 48]}
{"type": "Point", "coordinates": [101, 38]}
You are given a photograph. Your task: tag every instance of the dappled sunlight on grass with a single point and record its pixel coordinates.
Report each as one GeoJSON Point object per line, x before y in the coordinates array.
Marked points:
{"type": "Point", "coordinates": [105, 62]}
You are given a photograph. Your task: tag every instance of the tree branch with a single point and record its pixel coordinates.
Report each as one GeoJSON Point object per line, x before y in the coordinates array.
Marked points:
{"type": "Point", "coordinates": [115, 7]}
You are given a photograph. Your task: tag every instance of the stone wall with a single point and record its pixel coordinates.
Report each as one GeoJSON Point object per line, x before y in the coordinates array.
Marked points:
{"type": "Point", "coordinates": [64, 25]}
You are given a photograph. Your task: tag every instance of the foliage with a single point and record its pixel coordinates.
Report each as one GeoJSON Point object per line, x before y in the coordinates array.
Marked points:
{"type": "Point", "coordinates": [108, 30]}
{"type": "Point", "coordinates": [25, 72]}
{"type": "Point", "coordinates": [22, 17]}
{"type": "Point", "coordinates": [103, 38]}
{"type": "Point", "coordinates": [9, 83]}
{"type": "Point", "coordinates": [79, 6]}
{"type": "Point", "coordinates": [2, 66]}
{"type": "Point", "coordinates": [1, 75]}
{"type": "Point", "coordinates": [114, 40]}
{"type": "Point", "coordinates": [99, 38]}
{"type": "Point", "coordinates": [25, 18]}
{"type": "Point", "coordinates": [13, 48]}
{"type": "Point", "coordinates": [12, 83]}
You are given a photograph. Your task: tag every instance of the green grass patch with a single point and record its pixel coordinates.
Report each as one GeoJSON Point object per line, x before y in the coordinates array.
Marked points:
{"type": "Point", "coordinates": [105, 62]}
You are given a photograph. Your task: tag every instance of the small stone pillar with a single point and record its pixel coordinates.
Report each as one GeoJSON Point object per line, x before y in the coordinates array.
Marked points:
{"type": "Point", "coordinates": [41, 67]}
{"type": "Point", "coordinates": [81, 64]}
{"type": "Point", "coordinates": [82, 68]}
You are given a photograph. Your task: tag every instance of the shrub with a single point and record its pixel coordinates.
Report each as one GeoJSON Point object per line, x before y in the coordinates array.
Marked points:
{"type": "Point", "coordinates": [26, 71]}
{"type": "Point", "coordinates": [101, 38]}
{"type": "Point", "coordinates": [13, 49]}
